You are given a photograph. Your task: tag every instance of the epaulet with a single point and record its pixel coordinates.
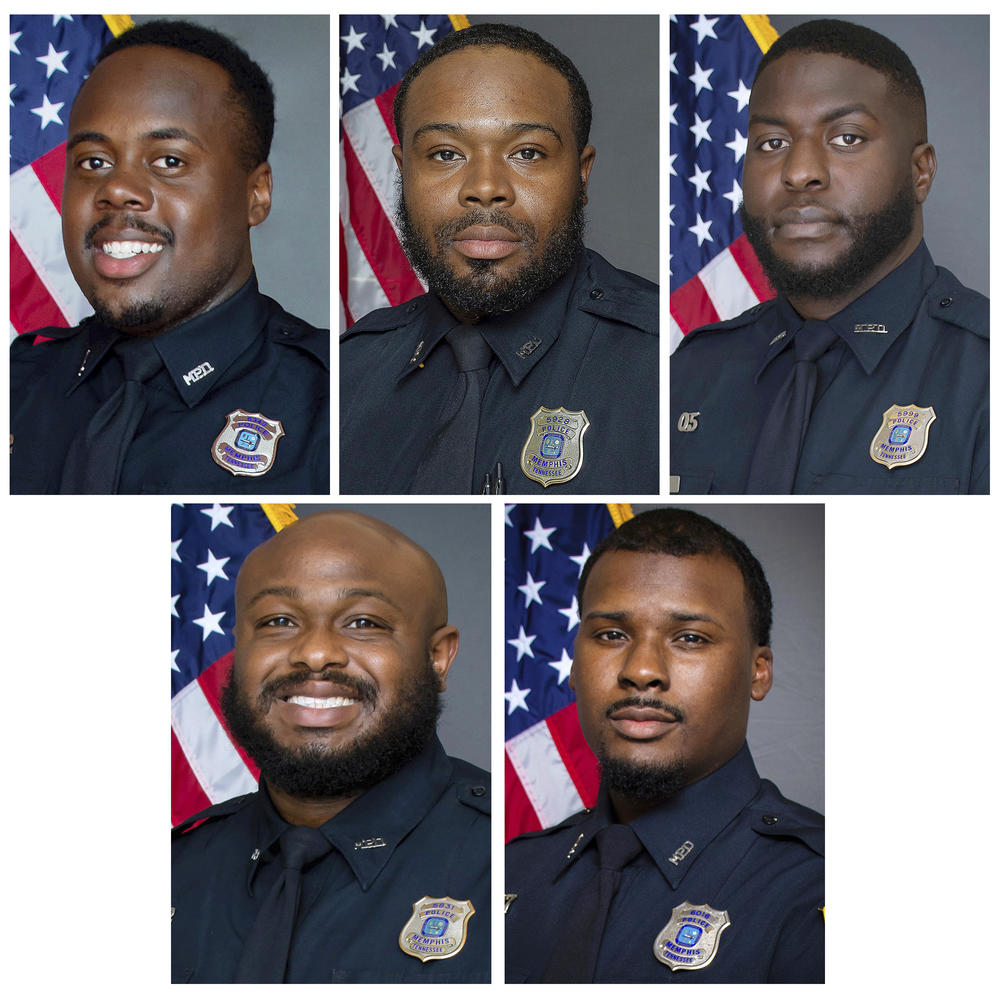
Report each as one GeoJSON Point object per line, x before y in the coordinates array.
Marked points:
{"type": "Point", "coordinates": [284, 328]}
{"type": "Point", "coordinates": [24, 342]}
{"type": "Point", "coordinates": [781, 818]}
{"type": "Point", "coordinates": [570, 821]}
{"type": "Point", "coordinates": [949, 301]}
{"type": "Point", "coordinates": [475, 792]}
{"type": "Point", "coordinates": [218, 811]}
{"type": "Point", "coordinates": [751, 315]}
{"type": "Point", "coordinates": [388, 319]}
{"type": "Point", "coordinates": [618, 295]}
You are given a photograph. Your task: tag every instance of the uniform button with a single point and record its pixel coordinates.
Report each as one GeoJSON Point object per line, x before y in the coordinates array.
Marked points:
{"type": "Point", "coordinates": [770, 820]}
{"type": "Point", "coordinates": [478, 789]}
{"type": "Point", "coordinates": [286, 331]}
{"type": "Point", "coordinates": [411, 307]}
{"type": "Point", "coordinates": [597, 293]}
{"type": "Point", "coordinates": [944, 303]}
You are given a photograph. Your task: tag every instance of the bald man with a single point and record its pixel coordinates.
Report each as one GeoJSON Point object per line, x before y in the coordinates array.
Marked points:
{"type": "Point", "coordinates": [364, 854]}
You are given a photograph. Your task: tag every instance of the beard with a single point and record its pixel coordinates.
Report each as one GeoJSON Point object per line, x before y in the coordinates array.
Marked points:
{"type": "Point", "coordinates": [482, 291]}
{"type": "Point", "coordinates": [873, 238]}
{"type": "Point", "coordinates": [317, 771]}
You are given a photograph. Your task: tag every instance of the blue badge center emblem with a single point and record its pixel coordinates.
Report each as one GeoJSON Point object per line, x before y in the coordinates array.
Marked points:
{"type": "Point", "coordinates": [902, 437]}
{"type": "Point", "coordinates": [437, 928]}
{"type": "Point", "coordinates": [691, 938]}
{"type": "Point", "coordinates": [553, 451]}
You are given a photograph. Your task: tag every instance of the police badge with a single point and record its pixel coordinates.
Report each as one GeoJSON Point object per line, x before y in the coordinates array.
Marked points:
{"type": "Point", "coordinates": [691, 937]}
{"type": "Point", "coordinates": [553, 452]}
{"type": "Point", "coordinates": [246, 445]}
{"type": "Point", "coordinates": [902, 438]}
{"type": "Point", "coordinates": [437, 928]}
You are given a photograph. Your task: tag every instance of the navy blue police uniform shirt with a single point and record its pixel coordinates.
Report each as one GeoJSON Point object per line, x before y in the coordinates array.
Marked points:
{"type": "Point", "coordinates": [730, 843]}
{"type": "Point", "coordinates": [589, 343]}
{"type": "Point", "coordinates": [246, 354]}
{"type": "Point", "coordinates": [919, 339]}
{"type": "Point", "coordinates": [424, 832]}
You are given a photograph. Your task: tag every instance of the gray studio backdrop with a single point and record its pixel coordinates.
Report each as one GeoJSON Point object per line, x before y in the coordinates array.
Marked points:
{"type": "Point", "coordinates": [951, 55]}
{"type": "Point", "coordinates": [786, 731]}
{"type": "Point", "coordinates": [618, 57]}
{"type": "Point", "coordinates": [458, 537]}
{"type": "Point", "coordinates": [291, 248]}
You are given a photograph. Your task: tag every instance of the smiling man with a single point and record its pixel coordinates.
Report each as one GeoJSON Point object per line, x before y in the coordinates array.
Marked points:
{"type": "Point", "coordinates": [531, 363]}
{"type": "Point", "coordinates": [186, 379]}
{"type": "Point", "coordinates": [364, 855]}
{"type": "Point", "coordinates": [690, 868]}
{"type": "Point", "coordinates": [869, 372]}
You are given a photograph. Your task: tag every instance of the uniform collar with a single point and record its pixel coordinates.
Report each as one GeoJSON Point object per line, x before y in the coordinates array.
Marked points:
{"type": "Point", "coordinates": [370, 829]}
{"type": "Point", "coordinates": [199, 351]}
{"type": "Point", "coordinates": [675, 833]}
{"type": "Point", "coordinates": [519, 339]}
{"type": "Point", "coordinates": [871, 323]}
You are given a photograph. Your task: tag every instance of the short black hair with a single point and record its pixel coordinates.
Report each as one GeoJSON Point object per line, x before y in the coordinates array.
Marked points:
{"type": "Point", "coordinates": [508, 36]}
{"type": "Point", "coordinates": [250, 87]}
{"type": "Point", "coordinates": [852, 41]}
{"type": "Point", "coordinates": [674, 531]}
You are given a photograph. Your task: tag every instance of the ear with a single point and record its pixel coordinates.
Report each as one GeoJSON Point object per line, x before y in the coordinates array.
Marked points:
{"type": "Point", "coordinates": [924, 167]}
{"type": "Point", "coordinates": [586, 165]}
{"type": "Point", "coordinates": [443, 649]}
{"type": "Point", "coordinates": [397, 152]}
{"type": "Point", "coordinates": [259, 185]}
{"type": "Point", "coordinates": [763, 660]}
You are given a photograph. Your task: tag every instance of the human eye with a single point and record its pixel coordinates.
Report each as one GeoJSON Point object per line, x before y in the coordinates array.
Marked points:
{"type": "Point", "coordinates": [168, 161]}
{"type": "Point", "coordinates": [772, 144]}
{"type": "Point", "coordinates": [361, 623]}
{"type": "Point", "coordinates": [610, 635]}
{"type": "Point", "coordinates": [528, 155]}
{"type": "Point", "coordinates": [445, 156]}
{"type": "Point", "coordinates": [276, 621]}
{"type": "Point", "coordinates": [847, 140]}
{"type": "Point", "coordinates": [93, 163]}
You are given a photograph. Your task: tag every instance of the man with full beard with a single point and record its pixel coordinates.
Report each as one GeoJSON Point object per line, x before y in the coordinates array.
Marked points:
{"type": "Point", "coordinates": [532, 362]}
{"type": "Point", "coordinates": [364, 855]}
{"type": "Point", "coordinates": [690, 868]}
{"type": "Point", "coordinates": [869, 372]}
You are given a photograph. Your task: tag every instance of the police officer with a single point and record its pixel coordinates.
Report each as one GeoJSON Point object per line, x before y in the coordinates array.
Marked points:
{"type": "Point", "coordinates": [532, 362]}
{"type": "Point", "coordinates": [869, 372]}
{"type": "Point", "coordinates": [690, 868]}
{"type": "Point", "coordinates": [364, 855]}
{"type": "Point", "coordinates": [187, 379]}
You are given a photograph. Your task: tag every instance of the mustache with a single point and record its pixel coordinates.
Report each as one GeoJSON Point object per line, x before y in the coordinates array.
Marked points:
{"type": "Point", "coordinates": [364, 690]}
{"type": "Point", "coordinates": [497, 217]}
{"type": "Point", "coordinates": [636, 702]}
{"type": "Point", "coordinates": [127, 221]}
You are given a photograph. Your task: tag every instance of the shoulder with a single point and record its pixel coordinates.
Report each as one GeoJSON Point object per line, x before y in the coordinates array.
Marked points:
{"type": "Point", "coordinates": [388, 319]}
{"type": "Point", "coordinates": [212, 815]}
{"type": "Point", "coordinates": [762, 313]}
{"type": "Point", "coordinates": [950, 303]}
{"type": "Point", "coordinates": [782, 821]}
{"type": "Point", "coordinates": [470, 786]}
{"type": "Point", "coordinates": [301, 338]}
{"type": "Point", "coordinates": [25, 346]}
{"type": "Point", "coordinates": [620, 296]}
{"type": "Point", "coordinates": [539, 847]}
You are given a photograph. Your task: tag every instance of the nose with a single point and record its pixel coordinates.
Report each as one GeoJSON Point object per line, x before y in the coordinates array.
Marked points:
{"type": "Point", "coordinates": [486, 182]}
{"type": "Point", "coordinates": [805, 166]}
{"type": "Point", "coordinates": [125, 186]}
{"type": "Point", "coordinates": [645, 666]}
{"type": "Point", "coordinates": [318, 648]}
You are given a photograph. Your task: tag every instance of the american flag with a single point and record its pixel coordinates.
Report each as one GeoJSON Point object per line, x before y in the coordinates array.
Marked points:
{"type": "Point", "coordinates": [550, 771]}
{"type": "Point", "coordinates": [50, 57]}
{"type": "Point", "coordinates": [714, 275]}
{"type": "Point", "coordinates": [208, 545]}
{"type": "Point", "coordinates": [375, 52]}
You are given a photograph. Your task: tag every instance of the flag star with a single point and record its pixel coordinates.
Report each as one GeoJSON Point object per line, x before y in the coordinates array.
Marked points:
{"type": "Point", "coordinates": [704, 27]}
{"type": "Point", "coordinates": [581, 559]}
{"type": "Point", "coordinates": [700, 79]}
{"type": "Point", "coordinates": [572, 614]}
{"type": "Point", "coordinates": [48, 112]}
{"type": "Point", "coordinates": [173, 660]}
{"type": "Point", "coordinates": [741, 96]}
{"type": "Point", "coordinates": [670, 165]}
{"type": "Point", "coordinates": [673, 65]}
{"type": "Point", "coordinates": [564, 664]}
{"type": "Point", "coordinates": [738, 145]}
{"type": "Point", "coordinates": [700, 130]}
{"type": "Point", "coordinates": [424, 35]}
{"type": "Point", "coordinates": [56, 18]}
{"type": "Point", "coordinates": [673, 118]}
{"type": "Point", "coordinates": [522, 643]}
{"type": "Point", "coordinates": [219, 515]}
{"type": "Point", "coordinates": [14, 36]}
{"type": "Point", "coordinates": [53, 61]}
{"type": "Point", "coordinates": [507, 508]}
{"type": "Point", "coordinates": [735, 196]}
{"type": "Point", "coordinates": [390, 21]}
{"type": "Point", "coordinates": [700, 180]}
{"type": "Point", "coordinates": [386, 58]}
{"type": "Point", "coordinates": [515, 697]}
{"type": "Point", "coordinates": [214, 568]}
{"type": "Point", "coordinates": [353, 39]}
{"type": "Point", "coordinates": [530, 590]}
{"type": "Point", "coordinates": [700, 229]}
{"type": "Point", "coordinates": [349, 81]}
{"type": "Point", "coordinates": [539, 536]}
{"type": "Point", "coordinates": [209, 623]}
{"type": "Point", "coordinates": [174, 613]}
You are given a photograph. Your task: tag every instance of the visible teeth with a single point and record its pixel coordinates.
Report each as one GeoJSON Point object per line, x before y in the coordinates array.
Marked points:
{"type": "Point", "coordinates": [320, 702]}
{"type": "Point", "coordinates": [123, 249]}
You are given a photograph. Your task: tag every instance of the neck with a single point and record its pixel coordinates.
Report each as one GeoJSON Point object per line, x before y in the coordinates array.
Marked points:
{"type": "Point", "coordinates": [627, 809]}
{"type": "Point", "coordinates": [307, 812]}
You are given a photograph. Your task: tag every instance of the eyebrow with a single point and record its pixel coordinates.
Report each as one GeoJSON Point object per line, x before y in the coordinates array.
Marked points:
{"type": "Point", "coordinates": [830, 116]}
{"type": "Point", "coordinates": [294, 594]}
{"type": "Point", "coordinates": [170, 132]}
{"type": "Point", "coordinates": [512, 129]}
{"type": "Point", "coordinates": [674, 616]}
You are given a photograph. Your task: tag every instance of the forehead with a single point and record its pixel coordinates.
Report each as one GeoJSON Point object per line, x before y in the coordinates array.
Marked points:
{"type": "Point", "coordinates": [154, 85]}
{"type": "Point", "coordinates": [481, 83]}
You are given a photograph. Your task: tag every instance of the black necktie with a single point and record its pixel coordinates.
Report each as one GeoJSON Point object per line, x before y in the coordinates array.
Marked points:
{"type": "Point", "coordinates": [265, 952]}
{"type": "Point", "coordinates": [97, 455]}
{"type": "Point", "coordinates": [448, 464]}
{"type": "Point", "coordinates": [776, 457]}
{"type": "Point", "coordinates": [575, 957]}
